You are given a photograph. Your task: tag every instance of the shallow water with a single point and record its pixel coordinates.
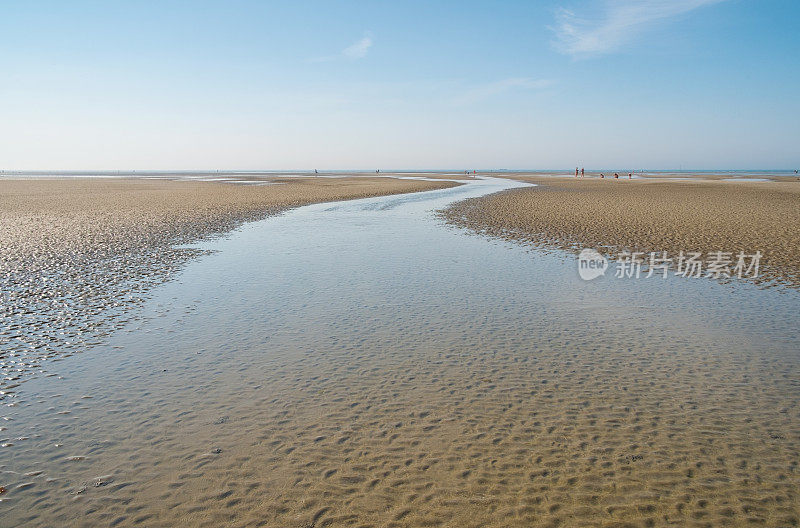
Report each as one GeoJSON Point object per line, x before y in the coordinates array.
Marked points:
{"type": "Point", "coordinates": [361, 363]}
{"type": "Point", "coordinates": [747, 180]}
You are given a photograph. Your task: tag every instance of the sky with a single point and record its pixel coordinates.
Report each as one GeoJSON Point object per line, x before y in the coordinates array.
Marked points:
{"type": "Point", "coordinates": [168, 85]}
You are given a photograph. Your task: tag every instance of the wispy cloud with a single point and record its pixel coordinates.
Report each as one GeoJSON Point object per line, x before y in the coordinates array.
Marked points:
{"type": "Point", "coordinates": [619, 20]}
{"type": "Point", "coordinates": [486, 91]}
{"type": "Point", "coordinates": [357, 50]}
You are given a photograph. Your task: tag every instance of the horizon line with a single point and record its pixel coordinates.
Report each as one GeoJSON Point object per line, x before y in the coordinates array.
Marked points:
{"type": "Point", "coordinates": [388, 170]}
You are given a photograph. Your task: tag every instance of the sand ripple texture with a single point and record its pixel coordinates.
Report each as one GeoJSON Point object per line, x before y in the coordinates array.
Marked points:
{"type": "Point", "coordinates": [359, 365]}
{"type": "Point", "coordinates": [461, 431]}
{"type": "Point", "coordinates": [75, 255]}
{"type": "Point", "coordinates": [648, 215]}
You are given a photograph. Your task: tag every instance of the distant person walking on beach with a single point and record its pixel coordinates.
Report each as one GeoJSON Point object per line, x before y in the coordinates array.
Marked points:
{"type": "Point", "coordinates": [630, 176]}
{"type": "Point", "coordinates": [581, 172]}
{"type": "Point", "coordinates": [616, 176]}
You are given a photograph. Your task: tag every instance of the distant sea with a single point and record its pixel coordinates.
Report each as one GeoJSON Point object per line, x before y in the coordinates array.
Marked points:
{"type": "Point", "coordinates": [204, 173]}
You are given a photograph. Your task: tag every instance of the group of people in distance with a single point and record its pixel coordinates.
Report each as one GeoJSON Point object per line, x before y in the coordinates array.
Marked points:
{"type": "Point", "coordinates": [616, 175]}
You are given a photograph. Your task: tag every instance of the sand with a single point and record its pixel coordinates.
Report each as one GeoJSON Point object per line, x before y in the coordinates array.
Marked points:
{"type": "Point", "coordinates": [648, 215]}
{"type": "Point", "coordinates": [413, 420]}
{"type": "Point", "coordinates": [70, 216]}
{"type": "Point", "coordinates": [78, 253]}
{"type": "Point", "coordinates": [421, 381]}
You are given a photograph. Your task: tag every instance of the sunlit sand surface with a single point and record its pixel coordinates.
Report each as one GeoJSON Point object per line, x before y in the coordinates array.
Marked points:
{"type": "Point", "coordinates": [78, 254]}
{"type": "Point", "coordinates": [362, 364]}
{"type": "Point", "coordinates": [648, 215]}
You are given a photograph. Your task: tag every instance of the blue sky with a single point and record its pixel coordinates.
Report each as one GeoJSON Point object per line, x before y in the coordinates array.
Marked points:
{"type": "Point", "coordinates": [334, 85]}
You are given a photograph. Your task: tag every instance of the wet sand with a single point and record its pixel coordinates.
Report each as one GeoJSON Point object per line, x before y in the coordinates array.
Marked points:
{"type": "Point", "coordinates": [78, 253]}
{"type": "Point", "coordinates": [356, 364]}
{"type": "Point", "coordinates": [647, 215]}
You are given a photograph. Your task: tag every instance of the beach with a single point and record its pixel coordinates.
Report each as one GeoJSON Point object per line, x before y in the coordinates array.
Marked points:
{"type": "Point", "coordinates": [78, 253]}
{"type": "Point", "coordinates": [648, 215]}
{"type": "Point", "coordinates": [359, 363]}
{"type": "Point", "coordinates": [524, 264]}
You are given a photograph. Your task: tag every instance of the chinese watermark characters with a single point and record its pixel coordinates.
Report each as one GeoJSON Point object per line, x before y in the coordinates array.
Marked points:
{"type": "Point", "coordinates": [659, 264]}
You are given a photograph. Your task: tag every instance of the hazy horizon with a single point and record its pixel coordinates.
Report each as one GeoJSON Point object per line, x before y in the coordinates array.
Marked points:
{"type": "Point", "coordinates": [387, 170]}
{"type": "Point", "coordinates": [162, 86]}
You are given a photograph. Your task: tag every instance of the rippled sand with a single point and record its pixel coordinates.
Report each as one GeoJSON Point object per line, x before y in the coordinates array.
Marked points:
{"type": "Point", "coordinates": [347, 365]}
{"type": "Point", "coordinates": [542, 428]}
{"type": "Point", "coordinates": [78, 253]}
{"type": "Point", "coordinates": [647, 215]}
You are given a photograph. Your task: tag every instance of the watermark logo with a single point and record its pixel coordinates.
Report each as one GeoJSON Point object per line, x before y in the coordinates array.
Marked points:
{"type": "Point", "coordinates": [716, 264]}
{"type": "Point", "coordinates": [591, 264]}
